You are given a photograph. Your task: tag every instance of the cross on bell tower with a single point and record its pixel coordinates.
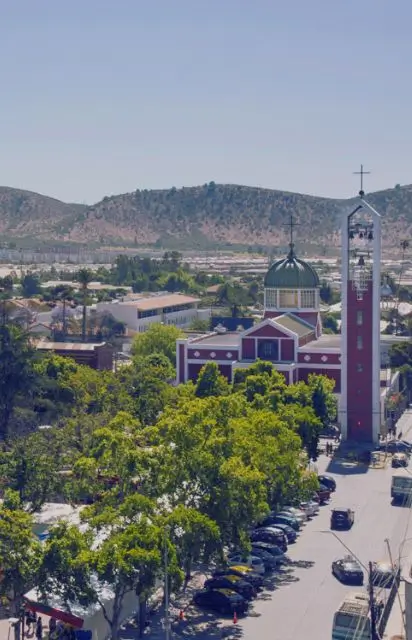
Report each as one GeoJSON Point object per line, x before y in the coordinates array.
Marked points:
{"type": "Point", "coordinates": [361, 173]}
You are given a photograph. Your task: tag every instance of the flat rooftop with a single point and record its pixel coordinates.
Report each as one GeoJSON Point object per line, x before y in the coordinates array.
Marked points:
{"type": "Point", "coordinates": [327, 341]}
{"type": "Point", "coordinates": [158, 302]}
{"type": "Point", "coordinates": [68, 346]}
{"type": "Point", "coordinates": [228, 339]}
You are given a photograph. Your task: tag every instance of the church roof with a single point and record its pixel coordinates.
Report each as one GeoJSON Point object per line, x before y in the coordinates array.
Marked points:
{"type": "Point", "coordinates": [291, 273]}
{"type": "Point", "coordinates": [295, 324]}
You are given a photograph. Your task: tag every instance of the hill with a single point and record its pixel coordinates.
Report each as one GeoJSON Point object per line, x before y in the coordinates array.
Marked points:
{"type": "Point", "coordinates": [202, 217]}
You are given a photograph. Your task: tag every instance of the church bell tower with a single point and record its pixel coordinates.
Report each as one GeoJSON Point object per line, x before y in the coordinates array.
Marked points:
{"type": "Point", "coordinates": [361, 285]}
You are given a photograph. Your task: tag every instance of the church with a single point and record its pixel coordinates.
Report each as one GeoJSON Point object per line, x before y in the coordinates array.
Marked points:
{"type": "Point", "coordinates": [290, 334]}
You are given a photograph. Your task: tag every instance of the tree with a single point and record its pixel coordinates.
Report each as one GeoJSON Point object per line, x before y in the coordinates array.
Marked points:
{"type": "Point", "coordinates": [147, 383]}
{"type": "Point", "coordinates": [63, 293]}
{"type": "Point", "coordinates": [233, 296]}
{"type": "Point", "coordinates": [127, 557]}
{"type": "Point", "coordinates": [330, 324]}
{"type": "Point", "coordinates": [200, 325]}
{"type": "Point", "coordinates": [30, 285]}
{"type": "Point", "coordinates": [324, 403]}
{"type": "Point", "coordinates": [32, 469]}
{"type": "Point", "coordinates": [16, 372]}
{"type": "Point", "coordinates": [210, 382]}
{"type": "Point", "coordinates": [195, 537]}
{"type": "Point", "coordinates": [84, 278]}
{"type": "Point", "coordinates": [159, 338]}
{"type": "Point", "coordinates": [20, 555]}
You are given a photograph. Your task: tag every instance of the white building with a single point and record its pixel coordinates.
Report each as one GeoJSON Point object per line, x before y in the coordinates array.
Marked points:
{"type": "Point", "coordinates": [138, 312]}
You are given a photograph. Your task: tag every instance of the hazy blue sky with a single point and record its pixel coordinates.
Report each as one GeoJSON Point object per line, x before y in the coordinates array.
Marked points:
{"type": "Point", "coordinates": [105, 96]}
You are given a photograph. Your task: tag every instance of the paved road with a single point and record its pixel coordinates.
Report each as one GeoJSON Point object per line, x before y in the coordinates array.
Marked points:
{"type": "Point", "coordinates": [302, 606]}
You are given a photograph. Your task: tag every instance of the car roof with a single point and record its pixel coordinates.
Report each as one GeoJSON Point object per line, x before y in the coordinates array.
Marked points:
{"type": "Point", "coordinates": [230, 577]}
{"type": "Point", "coordinates": [228, 592]}
{"type": "Point", "coordinates": [241, 567]}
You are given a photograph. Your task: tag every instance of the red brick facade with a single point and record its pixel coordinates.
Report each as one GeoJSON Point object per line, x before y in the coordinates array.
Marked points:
{"type": "Point", "coordinates": [359, 359]}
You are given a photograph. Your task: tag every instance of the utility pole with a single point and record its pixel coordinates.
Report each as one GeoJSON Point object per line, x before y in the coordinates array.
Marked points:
{"type": "Point", "coordinates": [166, 587]}
{"type": "Point", "coordinates": [372, 605]}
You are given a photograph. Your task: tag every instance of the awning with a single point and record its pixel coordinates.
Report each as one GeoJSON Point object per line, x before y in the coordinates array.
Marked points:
{"type": "Point", "coordinates": [63, 616]}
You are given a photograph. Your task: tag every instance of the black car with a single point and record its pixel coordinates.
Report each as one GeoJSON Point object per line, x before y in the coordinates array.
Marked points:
{"type": "Point", "coordinates": [271, 554]}
{"type": "Point", "coordinates": [290, 533]}
{"type": "Point", "coordinates": [396, 446]}
{"type": "Point", "coordinates": [221, 600]}
{"type": "Point", "coordinates": [233, 583]}
{"type": "Point", "coordinates": [383, 574]}
{"type": "Point", "coordinates": [247, 574]}
{"type": "Point", "coordinates": [290, 521]}
{"type": "Point", "coordinates": [342, 519]}
{"type": "Point", "coordinates": [400, 460]}
{"type": "Point", "coordinates": [328, 482]}
{"type": "Point", "coordinates": [271, 535]}
{"type": "Point", "coordinates": [348, 570]}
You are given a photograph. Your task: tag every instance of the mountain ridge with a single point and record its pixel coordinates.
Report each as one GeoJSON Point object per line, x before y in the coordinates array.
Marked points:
{"type": "Point", "coordinates": [206, 216]}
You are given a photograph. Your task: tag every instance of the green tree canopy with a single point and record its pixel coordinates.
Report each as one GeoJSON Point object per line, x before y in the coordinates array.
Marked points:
{"type": "Point", "coordinates": [159, 338]}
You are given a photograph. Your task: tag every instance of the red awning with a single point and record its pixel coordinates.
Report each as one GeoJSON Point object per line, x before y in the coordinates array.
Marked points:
{"type": "Point", "coordinates": [68, 618]}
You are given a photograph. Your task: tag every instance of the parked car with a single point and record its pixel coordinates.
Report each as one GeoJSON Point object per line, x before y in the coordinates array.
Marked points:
{"type": "Point", "coordinates": [323, 494]}
{"type": "Point", "coordinates": [290, 533]}
{"type": "Point", "coordinates": [310, 507]}
{"type": "Point", "coordinates": [273, 536]}
{"type": "Point", "coordinates": [295, 511]}
{"type": "Point", "coordinates": [315, 498]}
{"type": "Point", "coordinates": [223, 601]}
{"type": "Point", "coordinates": [348, 570]}
{"type": "Point", "coordinates": [284, 519]}
{"type": "Point", "coordinates": [400, 460]}
{"type": "Point", "coordinates": [271, 558]}
{"type": "Point", "coordinates": [383, 573]}
{"type": "Point", "coordinates": [234, 583]}
{"type": "Point", "coordinates": [242, 571]}
{"type": "Point", "coordinates": [342, 519]}
{"type": "Point", "coordinates": [328, 482]}
{"type": "Point", "coordinates": [254, 562]}
{"type": "Point", "coordinates": [300, 517]}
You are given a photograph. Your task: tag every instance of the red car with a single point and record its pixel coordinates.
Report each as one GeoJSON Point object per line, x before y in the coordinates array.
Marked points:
{"type": "Point", "coordinates": [323, 494]}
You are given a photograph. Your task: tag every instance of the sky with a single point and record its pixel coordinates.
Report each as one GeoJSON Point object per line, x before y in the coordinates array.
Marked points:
{"type": "Point", "coordinates": [100, 97]}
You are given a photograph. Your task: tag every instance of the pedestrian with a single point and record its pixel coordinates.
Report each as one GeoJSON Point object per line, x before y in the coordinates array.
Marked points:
{"type": "Point", "coordinates": [39, 629]}
{"type": "Point", "coordinates": [52, 627]}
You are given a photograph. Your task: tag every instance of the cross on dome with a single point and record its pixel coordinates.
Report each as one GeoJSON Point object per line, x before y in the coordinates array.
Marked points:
{"type": "Point", "coordinates": [291, 224]}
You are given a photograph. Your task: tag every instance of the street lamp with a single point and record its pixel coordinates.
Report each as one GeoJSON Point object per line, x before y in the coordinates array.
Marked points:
{"type": "Point", "coordinates": [166, 586]}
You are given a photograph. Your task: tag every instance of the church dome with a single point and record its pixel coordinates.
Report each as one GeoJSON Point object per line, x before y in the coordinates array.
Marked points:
{"type": "Point", "coordinates": [291, 273]}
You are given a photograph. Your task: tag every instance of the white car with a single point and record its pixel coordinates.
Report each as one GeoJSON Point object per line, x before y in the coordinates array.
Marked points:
{"type": "Point", "coordinates": [253, 562]}
{"type": "Point", "coordinates": [299, 514]}
{"type": "Point", "coordinates": [310, 508]}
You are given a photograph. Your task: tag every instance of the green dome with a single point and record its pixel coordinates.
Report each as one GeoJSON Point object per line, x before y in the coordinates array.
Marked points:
{"type": "Point", "coordinates": [291, 273]}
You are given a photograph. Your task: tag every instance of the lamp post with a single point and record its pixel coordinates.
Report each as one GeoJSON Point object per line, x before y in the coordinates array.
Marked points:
{"type": "Point", "coordinates": [166, 586]}
{"type": "Point", "coordinates": [369, 572]}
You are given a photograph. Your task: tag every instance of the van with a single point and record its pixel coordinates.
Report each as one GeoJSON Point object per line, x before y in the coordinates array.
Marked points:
{"type": "Point", "coordinates": [352, 620]}
{"type": "Point", "coordinates": [401, 487]}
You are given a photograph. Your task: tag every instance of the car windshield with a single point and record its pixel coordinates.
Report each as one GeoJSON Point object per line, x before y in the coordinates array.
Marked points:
{"type": "Point", "coordinates": [351, 566]}
{"type": "Point", "coordinates": [337, 512]}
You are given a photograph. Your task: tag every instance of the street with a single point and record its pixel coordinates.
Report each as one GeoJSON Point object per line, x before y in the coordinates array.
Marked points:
{"type": "Point", "coordinates": [302, 606]}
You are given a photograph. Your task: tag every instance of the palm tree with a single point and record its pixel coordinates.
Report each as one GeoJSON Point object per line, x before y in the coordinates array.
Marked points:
{"type": "Point", "coordinates": [84, 278]}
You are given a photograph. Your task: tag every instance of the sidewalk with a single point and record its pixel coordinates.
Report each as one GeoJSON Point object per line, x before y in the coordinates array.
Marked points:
{"type": "Point", "coordinates": [394, 626]}
{"type": "Point", "coordinates": [195, 622]}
